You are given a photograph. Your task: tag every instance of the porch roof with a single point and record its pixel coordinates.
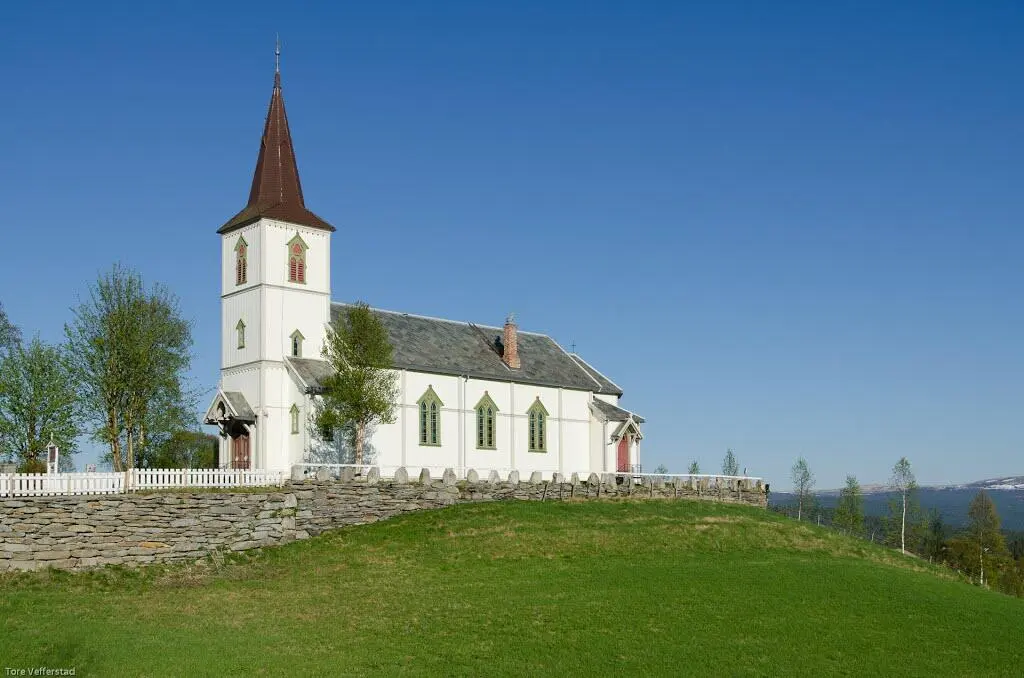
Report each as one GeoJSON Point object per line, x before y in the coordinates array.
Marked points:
{"type": "Point", "coordinates": [235, 407]}
{"type": "Point", "coordinates": [609, 412]}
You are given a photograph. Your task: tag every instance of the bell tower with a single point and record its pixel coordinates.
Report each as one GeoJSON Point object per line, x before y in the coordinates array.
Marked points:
{"type": "Point", "coordinates": [275, 300]}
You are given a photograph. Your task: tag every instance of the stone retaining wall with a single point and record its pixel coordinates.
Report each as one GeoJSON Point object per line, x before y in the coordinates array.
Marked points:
{"type": "Point", "coordinates": [88, 531]}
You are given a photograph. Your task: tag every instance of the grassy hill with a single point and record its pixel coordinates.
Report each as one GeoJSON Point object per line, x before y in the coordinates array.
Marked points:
{"type": "Point", "coordinates": [630, 588]}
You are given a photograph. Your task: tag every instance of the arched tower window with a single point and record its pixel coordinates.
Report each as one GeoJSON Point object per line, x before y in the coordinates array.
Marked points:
{"type": "Point", "coordinates": [240, 328]}
{"type": "Point", "coordinates": [486, 411]}
{"type": "Point", "coordinates": [538, 417]}
{"type": "Point", "coordinates": [297, 260]}
{"type": "Point", "coordinates": [241, 261]}
{"type": "Point", "coordinates": [297, 344]}
{"type": "Point", "coordinates": [294, 412]}
{"type": "Point", "coordinates": [430, 418]}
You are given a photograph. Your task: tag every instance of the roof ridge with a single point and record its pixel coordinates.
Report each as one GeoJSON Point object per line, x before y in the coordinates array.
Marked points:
{"type": "Point", "coordinates": [578, 357]}
{"type": "Point", "coordinates": [572, 357]}
{"type": "Point", "coordinates": [443, 320]}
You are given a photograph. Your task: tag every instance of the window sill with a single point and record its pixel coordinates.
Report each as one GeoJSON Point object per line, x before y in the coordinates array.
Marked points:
{"type": "Point", "coordinates": [430, 444]}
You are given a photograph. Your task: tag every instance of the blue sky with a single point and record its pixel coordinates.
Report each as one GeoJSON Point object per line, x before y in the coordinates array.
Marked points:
{"type": "Point", "coordinates": [786, 228]}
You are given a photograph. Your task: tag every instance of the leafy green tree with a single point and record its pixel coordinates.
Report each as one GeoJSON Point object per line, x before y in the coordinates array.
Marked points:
{"type": "Point", "coordinates": [984, 531]}
{"type": "Point", "coordinates": [661, 469]}
{"type": "Point", "coordinates": [730, 467]}
{"type": "Point", "coordinates": [130, 349]}
{"type": "Point", "coordinates": [362, 389]}
{"type": "Point", "coordinates": [10, 336]}
{"type": "Point", "coordinates": [694, 468]}
{"type": "Point", "coordinates": [849, 513]}
{"type": "Point", "coordinates": [803, 484]}
{"type": "Point", "coordinates": [903, 482]}
{"type": "Point", "coordinates": [38, 404]}
{"type": "Point", "coordinates": [183, 449]}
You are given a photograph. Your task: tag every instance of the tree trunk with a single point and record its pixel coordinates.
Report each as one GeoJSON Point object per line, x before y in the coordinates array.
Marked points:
{"type": "Point", "coordinates": [130, 452]}
{"type": "Point", "coordinates": [360, 441]}
{"type": "Point", "coordinates": [115, 441]}
{"type": "Point", "coordinates": [903, 526]}
{"type": "Point", "coordinates": [799, 507]}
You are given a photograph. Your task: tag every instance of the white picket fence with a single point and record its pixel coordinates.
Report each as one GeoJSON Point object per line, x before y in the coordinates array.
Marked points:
{"type": "Point", "coordinates": [43, 484]}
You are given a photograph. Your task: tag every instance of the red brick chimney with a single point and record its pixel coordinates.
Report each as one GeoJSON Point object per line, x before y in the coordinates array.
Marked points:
{"type": "Point", "coordinates": [510, 343]}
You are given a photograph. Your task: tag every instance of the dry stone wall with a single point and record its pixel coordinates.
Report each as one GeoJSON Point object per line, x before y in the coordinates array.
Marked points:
{"type": "Point", "coordinates": [89, 531]}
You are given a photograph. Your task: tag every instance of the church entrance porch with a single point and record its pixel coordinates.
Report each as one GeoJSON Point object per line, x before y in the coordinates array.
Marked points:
{"type": "Point", "coordinates": [231, 413]}
{"type": "Point", "coordinates": [240, 450]}
{"type": "Point", "coordinates": [627, 439]}
{"type": "Point", "coordinates": [623, 456]}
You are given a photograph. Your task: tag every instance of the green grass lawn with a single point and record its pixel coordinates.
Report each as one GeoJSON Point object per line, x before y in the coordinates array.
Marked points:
{"type": "Point", "coordinates": [598, 588]}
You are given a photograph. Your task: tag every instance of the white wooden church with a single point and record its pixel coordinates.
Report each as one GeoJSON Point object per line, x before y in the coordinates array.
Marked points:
{"type": "Point", "coordinates": [470, 395]}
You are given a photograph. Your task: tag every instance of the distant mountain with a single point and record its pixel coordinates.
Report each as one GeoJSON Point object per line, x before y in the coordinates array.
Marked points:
{"type": "Point", "coordinates": [1011, 483]}
{"type": "Point", "coordinates": [992, 484]}
{"type": "Point", "coordinates": [952, 501]}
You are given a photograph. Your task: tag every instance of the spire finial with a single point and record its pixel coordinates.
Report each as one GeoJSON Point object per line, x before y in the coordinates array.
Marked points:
{"type": "Point", "coordinates": [277, 53]}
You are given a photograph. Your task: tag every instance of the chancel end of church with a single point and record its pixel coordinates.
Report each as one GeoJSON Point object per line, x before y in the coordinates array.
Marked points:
{"type": "Point", "coordinates": [482, 396]}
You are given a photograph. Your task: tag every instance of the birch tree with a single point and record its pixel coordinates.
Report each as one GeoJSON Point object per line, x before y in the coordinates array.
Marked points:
{"type": "Point", "coordinates": [803, 484]}
{"type": "Point", "coordinates": [849, 513]}
{"type": "Point", "coordinates": [903, 482]}
{"type": "Point", "coordinates": [985, 533]}
{"type": "Point", "coordinates": [10, 336]}
{"type": "Point", "coordinates": [130, 349]}
{"type": "Point", "coordinates": [362, 388]}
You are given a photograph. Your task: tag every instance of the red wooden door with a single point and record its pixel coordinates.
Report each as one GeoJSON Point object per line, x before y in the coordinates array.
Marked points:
{"type": "Point", "coordinates": [240, 451]}
{"type": "Point", "coordinates": [623, 465]}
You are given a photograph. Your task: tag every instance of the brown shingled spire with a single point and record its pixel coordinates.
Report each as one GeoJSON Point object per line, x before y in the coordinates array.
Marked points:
{"type": "Point", "coordinates": [276, 192]}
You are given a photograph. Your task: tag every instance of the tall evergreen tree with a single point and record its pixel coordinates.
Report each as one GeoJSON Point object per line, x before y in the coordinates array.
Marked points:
{"type": "Point", "coordinates": [362, 389]}
{"type": "Point", "coordinates": [730, 467]}
{"type": "Point", "coordinates": [934, 542]}
{"type": "Point", "coordinates": [694, 468]}
{"type": "Point", "coordinates": [849, 513]}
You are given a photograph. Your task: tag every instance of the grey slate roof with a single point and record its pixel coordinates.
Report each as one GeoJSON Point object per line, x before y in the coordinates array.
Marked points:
{"type": "Point", "coordinates": [607, 385]}
{"type": "Point", "coordinates": [612, 413]}
{"type": "Point", "coordinates": [451, 347]}
{"type": "Point", "coordinates": [310, 371]}
{"type": "Point", "coordinates": [240, 405]}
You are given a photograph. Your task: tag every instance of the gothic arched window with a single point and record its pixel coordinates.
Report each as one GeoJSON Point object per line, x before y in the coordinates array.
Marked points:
{"type": "Point", "coordinates": [240, 328]}
{"type": "Point", "coordinates": [297, 260]}
{"type": "Point", "coordinates": [297, 344]}
{"type": "Point", "coordinates": [241, 261]}
{"type": "Point", "coordinates": [486, 411]}
{"type": "Point", "coordinates": [294, 412]}
{"type": "Point", "coordinates": [430, 418]}
{"type": "Point", "coordinates": [538, 417]}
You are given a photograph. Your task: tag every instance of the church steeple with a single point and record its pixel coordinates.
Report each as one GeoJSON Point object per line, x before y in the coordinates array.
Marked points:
{"type": "Point", "coordinates": [276, 191]}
